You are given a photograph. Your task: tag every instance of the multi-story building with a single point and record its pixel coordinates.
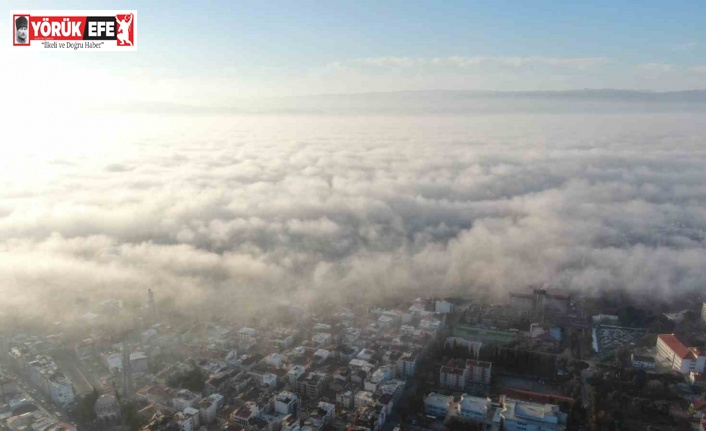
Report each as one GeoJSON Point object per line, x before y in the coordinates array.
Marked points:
{"type": "Point", "coordinates": [407, 364]}
{"type": "Point", "coordinates": [322, 339]}
{"type": "Point", "coordinates": [540, 301]}
{"type": "Point", "coordinates": [460, 377]}
{"type": "Point", "coordinates": [294, 374]}
{"type": "Point", "coordinates": [192, 416]}
{"type": "Point", "coordinates": [208, 408]}
{"type": "Point", "coordinates": [477, 372]}
{"type": "Point", "coordinates": [290, 423]}
{"type": "Point", "coordinates": [437, 405]}
{"type": "Point", "coordinates": [322, 414]}
{"type": "Point", "coordinates": [703, 312]}
{"type": "Point", "coordinates": [138, 362]}
{"type": "Point", "coordinates": [311, 385]}
{"type": "Point", "coordinates": [444, 307]}
{"type": "Point", "coordinates": [379, 376]}
{"type": "Point", "coordinates": [681, 358]}
{"type": "Point", "coordinates": [107, 408]}
{"type": "Point", "coordinates": [8, 388]}
{"type": "Point", "coordinates": [363, 399]}
{"type": "Point", "coordinates": [185, 398]}
{"type": "Point", "coordinates": [473, 408]}
{"type": "Point", "coordinates": [525, 416]}
{"type": "Point", "coordinates": [345, 399]}
{"type": "Point", "coordinates": [286, 403]}
{"type": "Point", "coordinates": [61, 391]}
{"type": "Point", "coordinates": [451, 376]}
{"type": "Point", "coordinates": [245, 412]}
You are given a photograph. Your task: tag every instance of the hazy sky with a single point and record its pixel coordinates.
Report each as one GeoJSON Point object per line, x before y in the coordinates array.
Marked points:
{"type": "Point", "coordinates": [210, 52]}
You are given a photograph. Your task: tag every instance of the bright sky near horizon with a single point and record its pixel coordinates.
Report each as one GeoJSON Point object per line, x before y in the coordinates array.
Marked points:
{"type": "Point", "coordinates": [210, 53]}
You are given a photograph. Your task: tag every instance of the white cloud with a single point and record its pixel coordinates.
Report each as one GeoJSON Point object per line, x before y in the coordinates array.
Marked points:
{"type": "Point", "coordinates": [657, 67]}
{"type": "Point", "coordinates": [579, 63]}
{"type": "Point", "coordinates": [222, 212]}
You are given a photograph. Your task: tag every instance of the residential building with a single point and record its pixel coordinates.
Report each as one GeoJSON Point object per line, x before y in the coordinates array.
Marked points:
{"type": "Point", "coordinates": [311, 385]}
{"type": "Point", "coordinates": [290, 423]}
{"type": "Point", "coordinates": [185, 398]}
{"type": "Point", "coordinates": [193, 416]}
{"type": "Point", "coordinates": [294, 374]}
{"type": "Point", "coordinates": [8, 388]}
{"type": "Point", "coordinates": [322, 339]}
{"type": "Point", "coordinates": [407, 364]}
{"type": "Point", "coordinates": [346, 399]}
{"type": "Point", "coordinates": [322, 414]}
{"type": "Point", "coordinates": [107, 408]}
{"type": "Point", "coordinates": [363, 398]}
{"type": "Point", "coordinates": [60, 389]}
{"type": "Point", "coordinates": [245, 412]}
{"type": "Point", "coordinates": [451, 376]}
{"type": "Point", "coordinates": [138, 362]}
{"type": "Point", "coordinates": [379, 376]}
{"type": "Point", "coordinates": [286, 403]}
{"type": "Point", "coordinates": [477, 372]}
{"type": "Point", "coordinates": [444, 307]}
{"type": "Point", "coordinates": [208, 408]}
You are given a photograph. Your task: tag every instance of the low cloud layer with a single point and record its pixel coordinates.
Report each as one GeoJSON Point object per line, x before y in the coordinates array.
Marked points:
{"type": "Point", "coordinates": [235, 212]}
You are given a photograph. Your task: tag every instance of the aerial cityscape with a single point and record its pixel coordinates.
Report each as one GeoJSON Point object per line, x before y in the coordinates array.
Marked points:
{"type": "Point", "coordinates": [346, 215]}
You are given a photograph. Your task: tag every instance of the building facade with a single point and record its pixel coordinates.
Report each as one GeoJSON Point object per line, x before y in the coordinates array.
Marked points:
{"type": "Point", "coordinates": [437, 405]}
{"type": "Point", "coordinates": [681, 358]}
{"type": "Point", "coordinates": [525, 416]}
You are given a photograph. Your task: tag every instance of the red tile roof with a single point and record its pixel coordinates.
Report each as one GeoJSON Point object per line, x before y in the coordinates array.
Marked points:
{"type": "Point", "coordinates": [675, 345]}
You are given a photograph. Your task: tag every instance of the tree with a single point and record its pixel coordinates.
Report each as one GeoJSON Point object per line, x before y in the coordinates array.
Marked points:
{"type": "Point", "coordinates": [193, 380]}
{"type": "Point", "coordinates": [130, 416]}
{"type": "Point", "coordinates": [85, 406]}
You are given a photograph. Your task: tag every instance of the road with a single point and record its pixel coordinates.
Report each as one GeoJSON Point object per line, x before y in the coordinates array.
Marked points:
{"type": "Point", "coordinates": [40, 400]}
{"type": "Point", "coordinates": [84, 377]}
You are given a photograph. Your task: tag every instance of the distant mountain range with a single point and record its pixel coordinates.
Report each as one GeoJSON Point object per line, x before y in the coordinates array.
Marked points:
{"type": "Point", "coordinates": [445, 102]}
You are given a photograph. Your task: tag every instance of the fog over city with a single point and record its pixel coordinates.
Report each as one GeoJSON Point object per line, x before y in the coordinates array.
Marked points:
{"type": "Point", "coordinates": [228, 211]}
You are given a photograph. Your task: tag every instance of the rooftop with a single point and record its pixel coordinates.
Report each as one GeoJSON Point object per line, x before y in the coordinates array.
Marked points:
{"type": "Point", "coordinates": [677, 347]}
